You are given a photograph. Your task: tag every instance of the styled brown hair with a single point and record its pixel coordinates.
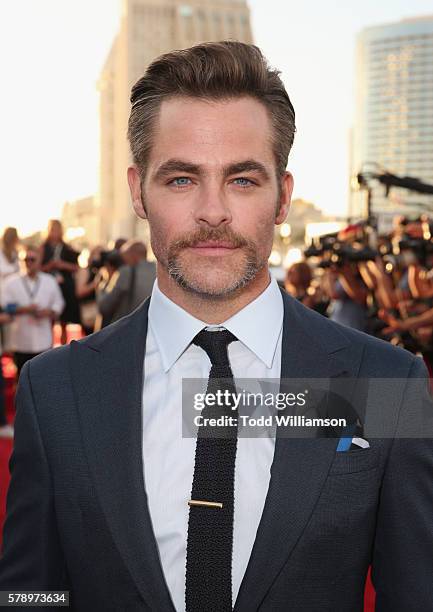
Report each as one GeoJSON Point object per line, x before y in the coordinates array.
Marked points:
{"type": "Point", "coordinates": [211, 71]}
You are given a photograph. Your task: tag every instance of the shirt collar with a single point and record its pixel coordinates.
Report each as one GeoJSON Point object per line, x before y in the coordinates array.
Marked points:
{"type": "Point", "coordinates": [174, 328]}
{"type": "Point", "coordinates": [30, 279]}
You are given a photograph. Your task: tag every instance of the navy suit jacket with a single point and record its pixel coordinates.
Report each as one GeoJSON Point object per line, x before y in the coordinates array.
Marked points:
{"type": "Point", "coordinates": [77, 514]}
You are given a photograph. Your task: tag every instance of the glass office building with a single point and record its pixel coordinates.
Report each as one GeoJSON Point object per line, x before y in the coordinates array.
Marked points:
{"type": "Point", "coordinates": [393, 128]}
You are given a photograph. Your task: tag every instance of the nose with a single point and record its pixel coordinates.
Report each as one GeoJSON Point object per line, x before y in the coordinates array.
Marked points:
{"type": "Point", "coordinates": [212, 209]}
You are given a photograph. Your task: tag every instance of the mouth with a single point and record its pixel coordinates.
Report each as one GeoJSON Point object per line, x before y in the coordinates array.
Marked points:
{"type": "Point", "coordinates": [213, 248]}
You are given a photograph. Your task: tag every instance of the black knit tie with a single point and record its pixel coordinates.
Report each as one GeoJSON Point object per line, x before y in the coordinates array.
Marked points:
{"type": "Point", "coordinates": [210, 528]}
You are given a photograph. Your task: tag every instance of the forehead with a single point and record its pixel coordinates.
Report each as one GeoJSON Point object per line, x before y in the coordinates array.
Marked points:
{"type": "Point", "coordinates": [212, 132]}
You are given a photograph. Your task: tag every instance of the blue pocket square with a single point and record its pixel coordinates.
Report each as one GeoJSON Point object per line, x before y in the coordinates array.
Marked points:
{"type": "Point", "coordinates": [352, 439]}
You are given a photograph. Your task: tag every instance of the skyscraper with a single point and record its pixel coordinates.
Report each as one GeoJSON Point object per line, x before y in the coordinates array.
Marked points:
{"type": "Point", "coordinates": [394, 111]}
{"type": "Point", "coordinates": [147, 29]}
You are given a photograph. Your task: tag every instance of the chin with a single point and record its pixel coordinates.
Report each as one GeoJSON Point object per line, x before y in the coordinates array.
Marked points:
{"type": "Point", "coordinates": [213, 283]}
{"type": "Point", "coordinates": [209, 291]}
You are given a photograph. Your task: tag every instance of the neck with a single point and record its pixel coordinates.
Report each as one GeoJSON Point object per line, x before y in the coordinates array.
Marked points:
{"type": "Point", "coordinates": [32, 273]}
{"type": "Point", "coordinates": [207, 309]}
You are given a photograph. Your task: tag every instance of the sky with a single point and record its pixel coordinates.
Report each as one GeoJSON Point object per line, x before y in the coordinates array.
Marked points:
{"type": "Point", "coordinates": [52, 51]}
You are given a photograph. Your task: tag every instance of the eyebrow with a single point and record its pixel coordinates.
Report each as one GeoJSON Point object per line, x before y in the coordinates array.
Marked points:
{"type": "Point", "coordinates": [249, 165]}
{"type": "Point", "coordinates": [178, 165]}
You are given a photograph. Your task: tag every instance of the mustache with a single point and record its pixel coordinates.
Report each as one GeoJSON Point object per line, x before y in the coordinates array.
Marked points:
{"type": "Point", "coordinates": [226, 235]}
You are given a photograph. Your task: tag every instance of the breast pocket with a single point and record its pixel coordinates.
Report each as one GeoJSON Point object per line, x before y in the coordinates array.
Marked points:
{"type": "Point", "coordinates": [351, 462]}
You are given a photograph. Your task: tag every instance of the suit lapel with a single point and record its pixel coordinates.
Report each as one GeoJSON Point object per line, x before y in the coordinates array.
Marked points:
{"type": "Point", "coordinates": [111, 419]}
{"type": "Point", "coordinates": [300, 466]}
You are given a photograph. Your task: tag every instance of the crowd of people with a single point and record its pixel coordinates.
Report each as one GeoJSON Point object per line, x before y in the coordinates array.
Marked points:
{"type": "Point", "coordinates": [44, 284]}
{"type": "Point", "coordinates": [381, 284]}
{"type": "Point", "coordinates": [386, 291]}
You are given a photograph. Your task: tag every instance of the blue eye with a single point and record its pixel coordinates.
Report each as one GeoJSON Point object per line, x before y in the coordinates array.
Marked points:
{"type": "Point", "coordinates": [181, 181]}
{"type": "Point", "coordinates": [243, 182]}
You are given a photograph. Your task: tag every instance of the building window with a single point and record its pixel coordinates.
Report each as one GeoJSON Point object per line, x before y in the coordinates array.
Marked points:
{"type": "Point", "coordinates": [231, 29]}
{"type": "Point", "coordinates": [185, 10]}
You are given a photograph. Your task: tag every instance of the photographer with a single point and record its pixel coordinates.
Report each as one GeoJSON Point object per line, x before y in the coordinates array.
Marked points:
{"type": "Point", "coordinates": [299, 282]}
{"type": "Point", "coordinates": [344, 284]}
{"type": "Point", "coordinates": [348, 295]}
{"type": "Point", "coordinates": [410, 318]}
{"type": "Point", "coordinates": [340, 256]}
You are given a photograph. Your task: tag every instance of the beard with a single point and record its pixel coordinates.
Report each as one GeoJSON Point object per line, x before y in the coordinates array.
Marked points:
{"type": "Point", "coordinates": [213, 277]}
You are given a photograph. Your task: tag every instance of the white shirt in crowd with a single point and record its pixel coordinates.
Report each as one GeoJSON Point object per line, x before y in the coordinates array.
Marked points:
{"type": "Point", "coordinates": [28, 334]}
{"type": "Point", "coordinates": [168, 458]}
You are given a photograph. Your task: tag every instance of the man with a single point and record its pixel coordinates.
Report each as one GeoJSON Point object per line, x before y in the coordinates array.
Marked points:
{"type": "Point", "coordinates": [130, 286]}
{"type": "Point", "coordinates": [109, 501]}
{"type": "Point", "coordinates": [35, 301]}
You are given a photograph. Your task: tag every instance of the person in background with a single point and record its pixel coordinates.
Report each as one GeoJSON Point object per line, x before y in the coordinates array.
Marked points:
{"type": "Point", "coordinates": [344, 285]}
{"type": "Point", "coordinates": [34, 300]}
{"type": "Point", "coordinates": [60, 260]}
{"type": "Point", "coordinates": [9, 264]}
{"type": "Point", "coordinates": [299, 283]}
{"type": "Point", "coordinates": [119, 243]}
{"type": "Point", "coordinates": [112, 261]}
{"type": "Point", "coordinates": [348, 295]}
{"type": "Point", "coordinates": [130, 286]}
{"type": "Point", "coordinates": [86, 281]}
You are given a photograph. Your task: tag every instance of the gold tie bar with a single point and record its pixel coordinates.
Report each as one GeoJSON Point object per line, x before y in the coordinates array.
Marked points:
{"type": "Point", "coordinates": [208, 504]}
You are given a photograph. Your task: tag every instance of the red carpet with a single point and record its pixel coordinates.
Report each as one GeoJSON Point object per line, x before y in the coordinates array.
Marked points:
{"type": "Point", "coordinates": [5, 451]}
{"type": "Point", "coordinates": [6, 448]}
{"type": "Point", "coordinates": [6, 445]}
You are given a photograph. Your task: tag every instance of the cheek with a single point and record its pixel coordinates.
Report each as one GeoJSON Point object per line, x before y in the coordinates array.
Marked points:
{"type": "Point", "coordinates": [165, 229]}
{"type": "Point", "coordinates": [262, 225]}
{"type": "Point", "coordinates": [162, 225]}
{"type": "Point", "coordinates": [158, 235]}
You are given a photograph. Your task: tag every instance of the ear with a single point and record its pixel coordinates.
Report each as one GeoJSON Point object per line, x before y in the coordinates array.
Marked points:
{"type": "Point", "coordinates": [134, 181]}
{"type": "Point", "coordinates": [285, 198]}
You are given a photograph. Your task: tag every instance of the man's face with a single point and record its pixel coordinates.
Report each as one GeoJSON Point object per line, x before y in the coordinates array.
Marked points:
{"type": "Point", "coordinates": [211, 193]}
{"type": "Point", "coordinates": [31, 259]}
{"type": "Point", "coordinates": [55, 231]}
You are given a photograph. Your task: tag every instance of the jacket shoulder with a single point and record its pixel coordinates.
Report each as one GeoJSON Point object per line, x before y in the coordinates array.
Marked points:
{"type": "Point", "coordinates": [379, 357]}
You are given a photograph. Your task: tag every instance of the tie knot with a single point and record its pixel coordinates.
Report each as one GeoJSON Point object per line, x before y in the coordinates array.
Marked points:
{"type": "Point", "coordinates": [215, 344]}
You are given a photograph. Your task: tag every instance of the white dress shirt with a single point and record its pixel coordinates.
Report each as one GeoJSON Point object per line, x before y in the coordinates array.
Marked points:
{"type": "Point", "coordinates": [168, 458]}
{"type": "Point", "coordinates": [28, 334]}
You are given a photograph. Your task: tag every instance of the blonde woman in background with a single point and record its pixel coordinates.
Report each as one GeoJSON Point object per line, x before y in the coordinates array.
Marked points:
{"type": "Point", "coordinates": [9, 263]}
